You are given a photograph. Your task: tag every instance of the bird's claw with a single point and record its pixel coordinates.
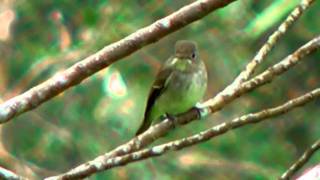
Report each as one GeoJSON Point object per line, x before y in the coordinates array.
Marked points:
{"type": "Point", "coordinates": [171, 118]}
{"type": "Point", "coordinates": [202, 111]}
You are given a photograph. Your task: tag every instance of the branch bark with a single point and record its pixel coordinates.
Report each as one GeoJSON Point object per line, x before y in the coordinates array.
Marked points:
{"type": "Point", "coordinates": [106, 56]}
{"type": "Point", "coordinates": [301, 161]}
{"type": "Point", "coordinates": [101, 163]}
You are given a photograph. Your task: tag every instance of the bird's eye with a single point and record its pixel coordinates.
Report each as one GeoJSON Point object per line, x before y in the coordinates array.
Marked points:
{"type": "Point", "coordinates": [193, 55]}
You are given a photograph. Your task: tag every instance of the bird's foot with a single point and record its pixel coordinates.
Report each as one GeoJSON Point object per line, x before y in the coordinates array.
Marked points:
{"type": "Point", "coordinates": [202, 111]}
{"type": "Point", "coordinates": [171, 118]}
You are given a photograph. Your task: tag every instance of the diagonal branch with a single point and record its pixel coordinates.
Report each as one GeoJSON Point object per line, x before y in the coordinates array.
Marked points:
{"type": "Point", "coordinates": [272, 40]}
{"type": "Point", "coordinates": [101, 163]}
{"type": "Point", "coordinates": [106, 56]}
{"type": "Point", "coordinates": [301, 161]}
{"type": "Point", "coordinates": [162, 128]}
{"type": "Point", "coordinates": [267, 76]}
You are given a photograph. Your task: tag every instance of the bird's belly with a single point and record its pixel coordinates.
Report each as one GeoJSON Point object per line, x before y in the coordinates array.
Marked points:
{"type": "Point", "coordinates": [182, 94]}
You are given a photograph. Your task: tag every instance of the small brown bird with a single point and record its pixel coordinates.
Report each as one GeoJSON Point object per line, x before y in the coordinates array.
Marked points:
{"type": "Point", "coordinates": [180, 84]}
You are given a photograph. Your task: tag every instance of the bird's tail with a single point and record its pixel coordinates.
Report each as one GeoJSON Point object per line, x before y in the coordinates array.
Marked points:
{"type": "Point", "coordinates": [144, 126]}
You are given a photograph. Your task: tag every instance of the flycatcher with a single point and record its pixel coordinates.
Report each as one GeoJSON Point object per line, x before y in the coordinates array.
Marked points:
{"type": "Point", "coordinates": [179, 85]}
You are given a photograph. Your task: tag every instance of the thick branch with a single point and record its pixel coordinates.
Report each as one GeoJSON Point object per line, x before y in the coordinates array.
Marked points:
{"type": "Point", "coordinates": [301, 161]}
{"type": "Point", "coordinates": [101, 163]}
{"type": "Point", "coordinates": [106, 56]}
{"type": "Point", "coordinates": [6, 174]}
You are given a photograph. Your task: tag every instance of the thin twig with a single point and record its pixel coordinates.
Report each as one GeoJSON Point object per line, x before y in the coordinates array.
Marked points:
{"type": "Point", "coordinates": [6, 174]}
{"type": "Point", "coordinates": [106, 56]}
{"type": "Point", "coordinates": [272, 40]}
{"type": "Point", "coordinates": [301, 161]}
{"type": "Point", "coordinates": [267, 76]}
{"type": "Point", "coordinates": [101, 163]}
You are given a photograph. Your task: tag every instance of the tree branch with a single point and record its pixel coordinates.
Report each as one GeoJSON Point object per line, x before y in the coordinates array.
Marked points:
{"type": "Point", "coordinates": [267, 76]}
{"type": "Point", "coordinates": [6, 174]}
{"type": "Point", "coordinates": [301, 161]}
{"type": "Point", "coordinates": [272, 40]}
{"type": "Point", "coordinates": [101, 163]}
{"type": "Point", "coordinates": [106, 56]}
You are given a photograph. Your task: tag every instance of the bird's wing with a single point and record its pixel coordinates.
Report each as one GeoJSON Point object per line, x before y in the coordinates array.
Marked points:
{"type": "Point", "coordinates": [157, 89]}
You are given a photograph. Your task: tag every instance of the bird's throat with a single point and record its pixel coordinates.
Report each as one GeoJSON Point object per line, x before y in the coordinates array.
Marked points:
{"type": "Point", "coordinates": [182, 64]}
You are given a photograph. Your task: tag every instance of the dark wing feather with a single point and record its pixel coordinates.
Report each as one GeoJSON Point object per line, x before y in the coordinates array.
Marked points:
{"type": "Point", "coordinates": [156, 90]}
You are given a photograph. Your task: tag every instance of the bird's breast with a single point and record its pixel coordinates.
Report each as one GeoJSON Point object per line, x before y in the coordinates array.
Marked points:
{"type": "Point", "coordinates": [184, 91]}
{"type": "Point", "coordinates": [188, 80]}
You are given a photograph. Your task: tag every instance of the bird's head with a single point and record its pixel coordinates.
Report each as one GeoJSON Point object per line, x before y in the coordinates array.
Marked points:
{"type": "Point", "coordinates": [185, 49]}
{"type": "Point", "coordinates": [185, 55]}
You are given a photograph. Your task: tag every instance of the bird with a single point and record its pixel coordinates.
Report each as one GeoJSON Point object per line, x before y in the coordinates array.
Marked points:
{"type": "Point", "coordinates": [178, 86]}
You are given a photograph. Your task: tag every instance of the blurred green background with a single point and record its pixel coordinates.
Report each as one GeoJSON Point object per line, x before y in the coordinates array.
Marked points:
{"type": "Point", "coordinates": [40, 38]}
